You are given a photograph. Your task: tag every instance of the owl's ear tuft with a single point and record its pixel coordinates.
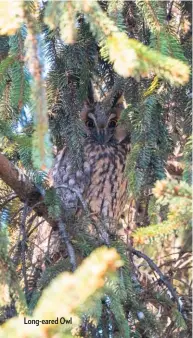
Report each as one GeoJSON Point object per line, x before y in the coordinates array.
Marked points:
{"type": "Point", "coordinates": [84, 111]}
{"type": "Point", "coordinates": [118, 103]}
{"type": "Point", "coordinates": [91, 96]}
{"type": "Point", "coordinates": [118, 99]}
{"type": "Point", "coordinates": [88, 103]}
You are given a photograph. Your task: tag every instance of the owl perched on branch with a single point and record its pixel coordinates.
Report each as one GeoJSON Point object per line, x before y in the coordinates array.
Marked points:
{"type": "Point", "coordinates": [101, 185]}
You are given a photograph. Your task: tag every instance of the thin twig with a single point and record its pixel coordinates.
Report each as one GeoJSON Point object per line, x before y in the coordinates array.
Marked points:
{"type": "Point", "coordinates": [30, 222]}
{"type": "Point", "coordinates": [9, 199]}
{"type": "Point", "coordinates": [49, 241]}
{"type": "Point", "coordinates": [169, 14]}
{"type": "Point", "coordinates": [35, 226]}
{"type": "Point", "coordinates": [39, 248]}
{"type": "Point", "coordinates": [69, 246]}
{"type": "Point", "coordinates": [163, 278]}
{"type": "Point", "coordinates": [16, 214]}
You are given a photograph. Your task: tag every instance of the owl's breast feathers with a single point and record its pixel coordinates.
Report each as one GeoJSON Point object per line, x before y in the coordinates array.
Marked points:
{"type": "Point", "coordinates": [106, 193]}
{"type": "Point", "coordinates": [101, 183]}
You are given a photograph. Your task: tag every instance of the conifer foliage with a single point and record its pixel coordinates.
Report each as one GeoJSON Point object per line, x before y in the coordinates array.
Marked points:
{"type": "Point", "coordinates": [50, 52]}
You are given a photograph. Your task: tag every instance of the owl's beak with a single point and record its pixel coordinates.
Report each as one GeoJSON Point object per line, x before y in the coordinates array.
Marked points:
{"type": "Point", "coordinates": [102, 136]}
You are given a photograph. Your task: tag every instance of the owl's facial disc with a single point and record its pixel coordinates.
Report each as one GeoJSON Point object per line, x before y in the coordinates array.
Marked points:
{"type": "Point", "coordinates": [101, 123]}
{"type": "Point", "coordinates": [101, 129]}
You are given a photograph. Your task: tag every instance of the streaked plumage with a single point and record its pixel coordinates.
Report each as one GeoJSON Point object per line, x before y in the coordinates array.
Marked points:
{"type": "Point", "coordinates": [100, 185]}
{"type": "Point", "coordinates": [101, 182]}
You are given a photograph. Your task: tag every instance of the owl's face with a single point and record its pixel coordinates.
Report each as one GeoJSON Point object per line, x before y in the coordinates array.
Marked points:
{"type": "Point", "coordinates": [101, 122]}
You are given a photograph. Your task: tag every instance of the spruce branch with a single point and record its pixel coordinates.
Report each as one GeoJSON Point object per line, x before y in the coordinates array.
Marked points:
{"type": "Point", "coordinates": [10, 20]}
{"type": "Point", "coordinates": [41, 142]}
{"type": "Point", "coordinates": [128, 56]}
{"type": "Point", "coordinates": [75, 290]}
{"type": "Point", "coordinates": [10, 198]}
{"type": "Point", "coordinates": [8, 275]}
{"type": "Point", "coordinates": [163, 278]}
{"type": "Point", "coordinates": [23, 187]}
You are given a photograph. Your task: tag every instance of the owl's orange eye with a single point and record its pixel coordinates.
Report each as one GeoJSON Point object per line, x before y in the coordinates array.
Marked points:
{"type": "Point", "coordinates": [112, 124]}
{"type": "Point", "coordinates": [90, 123]}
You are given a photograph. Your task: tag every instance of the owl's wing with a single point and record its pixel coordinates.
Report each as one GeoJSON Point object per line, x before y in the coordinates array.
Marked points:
{"type": "Point", "coordinates": [69, 183]}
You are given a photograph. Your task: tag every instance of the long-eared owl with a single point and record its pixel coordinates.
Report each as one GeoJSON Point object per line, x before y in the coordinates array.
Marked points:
{"type": "Point", "coordinates": [101, 182]}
